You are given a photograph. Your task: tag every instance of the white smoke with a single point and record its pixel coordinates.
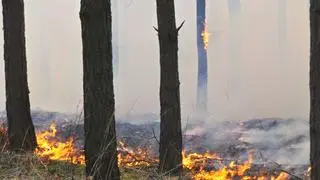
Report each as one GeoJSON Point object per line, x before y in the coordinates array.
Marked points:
{"type": "Point", "coordinates": [270, 86]}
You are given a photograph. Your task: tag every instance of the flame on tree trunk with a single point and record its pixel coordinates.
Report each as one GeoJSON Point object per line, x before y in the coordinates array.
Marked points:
{"type": "Point", "coordinates": [99, 104]}
{"type": "Point", "coordinates": [20, 127]}
{"type": "Point", "coordinates": [170, 127]}
{"type": "Point", "coordinates": [314, 86]}
{"type": "Point", "coordinates": [202, 86]}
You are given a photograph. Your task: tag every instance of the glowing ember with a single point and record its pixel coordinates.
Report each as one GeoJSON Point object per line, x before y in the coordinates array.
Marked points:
{"type": "Point", "coordinates": [51, 148]}
{"type": "Point", "coordinates": [307, 173]}
{"type": "Point", "coordinates": [205, 36]}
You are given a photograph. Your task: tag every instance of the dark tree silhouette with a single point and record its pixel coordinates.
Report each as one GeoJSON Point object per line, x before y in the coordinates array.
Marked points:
{"type": "Point", "coordinates": [170, 127]}
{"type": "Point", "coordinates": [99, 103]}
{"type": "Point", "coordinates": [20, 127]}
{"type": "Point", "coordinates": [314, 85]}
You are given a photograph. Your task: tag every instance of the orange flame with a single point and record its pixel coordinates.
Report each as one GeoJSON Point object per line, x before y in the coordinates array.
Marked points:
{"type": "Point", "coordinates": [205, 35]}
{"type": "Point", "coordinates": [49, 147]}
{"type": "Point", "coordinates": [52, 148]}
{"type": "Point", "coordinates": [133, 158]}
{"type": "Point", "coordinates": [196, 163]}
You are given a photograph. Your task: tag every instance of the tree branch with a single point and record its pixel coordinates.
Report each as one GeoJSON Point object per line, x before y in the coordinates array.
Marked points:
{"type": "Point", "coordinates": [181, 25]}
{"type": "Point", "coordinates": [154, 136]}
{"type": "Point", "coordinates": [155, 29]}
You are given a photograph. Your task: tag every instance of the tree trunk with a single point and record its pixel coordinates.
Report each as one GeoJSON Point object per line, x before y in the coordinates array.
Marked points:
{"type": "Point", "coordinates": [99, 103]}
{"type": "Point", "coordinates": [314, 85]}
{"type": "Point", "coordinates": [202, 88]}
{"type": "Point", "coordinates": [20, 127]}
{"type": "Point", "coordinates": [170, 135]}
{"type": "Point", "coordinates": [115, 41]}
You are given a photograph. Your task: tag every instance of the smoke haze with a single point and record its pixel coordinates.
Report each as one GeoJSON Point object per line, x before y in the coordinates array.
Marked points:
{"type": "Point", "coordinates": [267, 85]}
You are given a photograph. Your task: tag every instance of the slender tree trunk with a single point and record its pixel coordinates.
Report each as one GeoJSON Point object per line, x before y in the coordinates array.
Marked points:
{"type": "Point", "coordinates": [170, 135]}
{"type": "Point", "coordinates": [99, 103]}
{"type": "Point", "coordinates": [202, 90]}
{"type": "Point", "coordinates": [20, 127]}
{"type": "Point", "coordinates": [315, 89]}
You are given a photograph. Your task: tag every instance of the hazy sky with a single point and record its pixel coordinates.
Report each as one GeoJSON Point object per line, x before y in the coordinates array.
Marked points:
{"type": "Point", "coordinates": [256, 83]}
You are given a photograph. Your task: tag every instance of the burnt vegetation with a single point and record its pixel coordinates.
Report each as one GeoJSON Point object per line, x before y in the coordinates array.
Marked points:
{"type": "Point", "coordinates": [99, 146]}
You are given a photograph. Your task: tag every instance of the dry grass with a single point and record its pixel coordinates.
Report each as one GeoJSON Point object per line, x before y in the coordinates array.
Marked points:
{"type": "Point", "coordinates": [30, 167]}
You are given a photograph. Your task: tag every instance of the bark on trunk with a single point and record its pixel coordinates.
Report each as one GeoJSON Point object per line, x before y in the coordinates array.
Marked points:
{"type": "Point", "coordinates": [20, 127]}
{"type": "Point", "coordinates": [99, 103]}
{"type": "Point", "coordinates": [315, 89]}
{"type": "Point", "coordinates": [170, 135]}
{"type": "Point", "coordinates": [202, 88]}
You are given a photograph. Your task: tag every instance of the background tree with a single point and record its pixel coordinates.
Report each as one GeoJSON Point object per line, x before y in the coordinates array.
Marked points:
{"type": "Point", "coordinates": [315, 89]}
{"type": "Point", "coordinates": [99, 103]}
{"type": "Point", "coordinates": [170, 126]}
{"type": "Point", "coordinates": [202, 87]}
{"type": "Point", "coordinates": [20, 127]}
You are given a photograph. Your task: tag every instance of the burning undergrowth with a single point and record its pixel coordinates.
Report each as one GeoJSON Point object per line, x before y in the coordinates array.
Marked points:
{"type": "Point", "coordinates": [200, 166]}
{"type": "Point", "coordinates": [232, 154]}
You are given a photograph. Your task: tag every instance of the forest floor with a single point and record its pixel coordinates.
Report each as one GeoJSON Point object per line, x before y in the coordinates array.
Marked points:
{"type": "Point", "coordinates": [275, 142]}
{"type": "Point", "coordinates": [29, 166]}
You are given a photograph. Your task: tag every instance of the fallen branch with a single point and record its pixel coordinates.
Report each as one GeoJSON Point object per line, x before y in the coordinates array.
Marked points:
{"type": "Point", "coordinates": [136, 158]}
{"type": "Point", "coordinates": [279, 168]}
{"type": "Point", "coordinates": [289, 173]}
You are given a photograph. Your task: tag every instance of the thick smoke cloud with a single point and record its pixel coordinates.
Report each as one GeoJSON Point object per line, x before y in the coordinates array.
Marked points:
{"type": "Point", "coordinates": [269, 86]}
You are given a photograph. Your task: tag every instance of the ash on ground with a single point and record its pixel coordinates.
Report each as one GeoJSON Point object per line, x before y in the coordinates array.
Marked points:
{"type": "Point", "coordinates": [273, 140]}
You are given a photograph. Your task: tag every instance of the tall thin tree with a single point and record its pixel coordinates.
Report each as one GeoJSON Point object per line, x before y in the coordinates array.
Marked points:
{"type": "Point", "coordinates": [314, 86]}
{"type": "Point", "coordinates": [20, 127]}
{"type": "Point", "coordinates": [99, 102]}
{"type": "Point", "coordinates": [202, 87]}
{"type": "Point", "coordinates": [170, 126]}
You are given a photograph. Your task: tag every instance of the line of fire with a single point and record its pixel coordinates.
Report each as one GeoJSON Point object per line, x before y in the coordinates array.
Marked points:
{"type": "Point", "coordinates": [204, 155]}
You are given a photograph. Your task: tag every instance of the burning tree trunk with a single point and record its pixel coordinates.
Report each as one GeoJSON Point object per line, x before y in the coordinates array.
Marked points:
{"type": "Point", "coordinates": [170, 127]}
{"type": "Point", "coordinates": [20, 126]}
{"type": "Point", "coordinates": [99, 103]}
{"type": "Point", "coordinates": [202, 87]}
{"type": "Point", "coordinates": [314, 85]}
